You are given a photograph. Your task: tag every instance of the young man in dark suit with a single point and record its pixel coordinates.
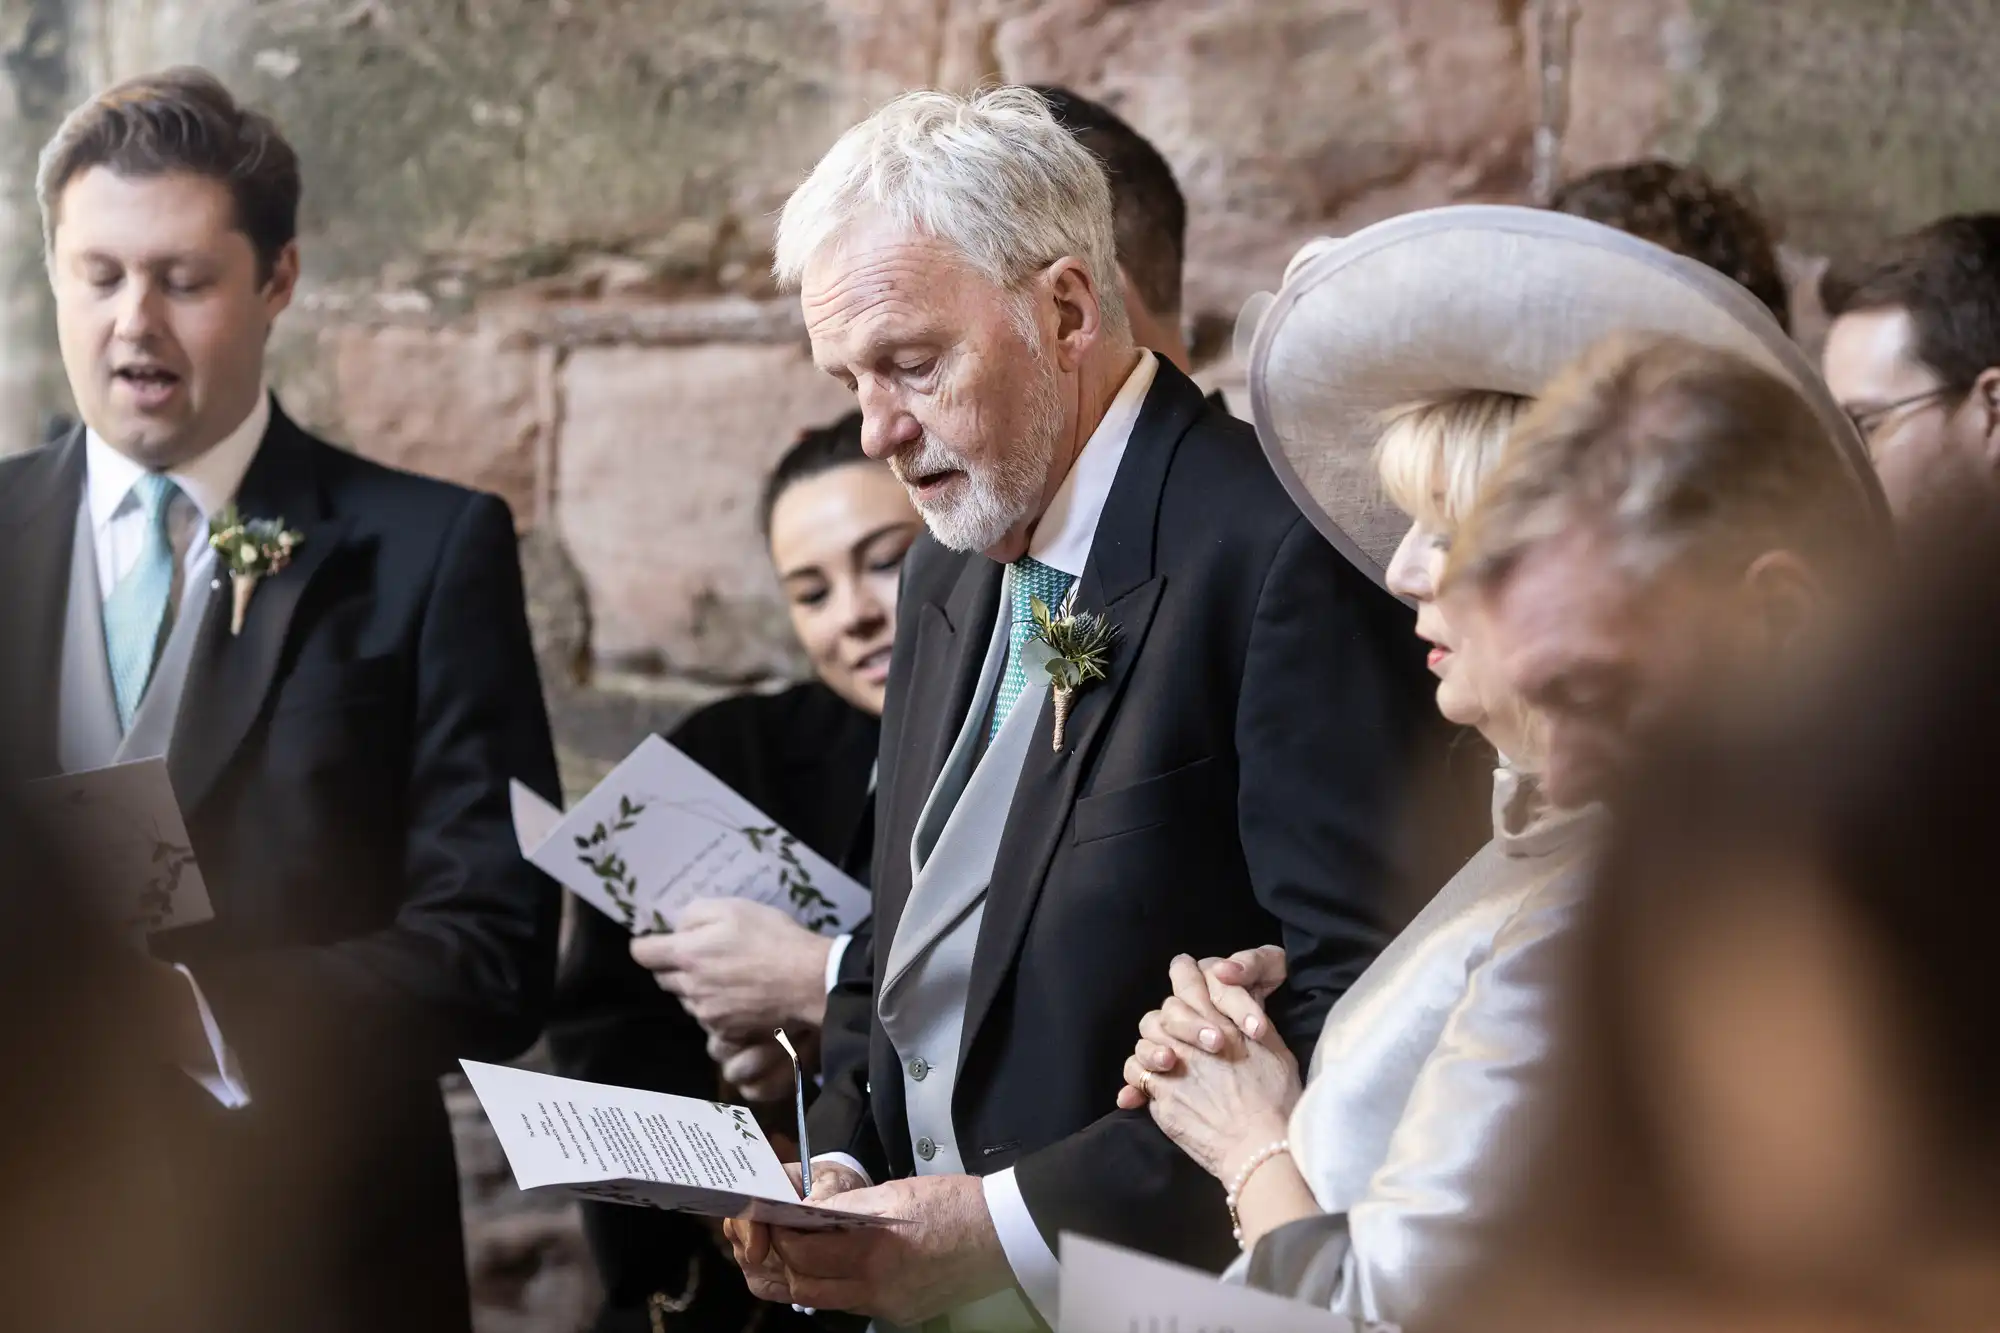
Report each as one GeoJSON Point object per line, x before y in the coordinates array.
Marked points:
{"type": "Point", "coordinates": [340, 741]}
{"type": "Point", "coordinates": [1236, 769]}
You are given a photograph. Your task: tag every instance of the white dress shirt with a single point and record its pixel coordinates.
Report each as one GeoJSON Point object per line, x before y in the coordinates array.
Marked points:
{"type": "Point", "coordinates": [1062, 541]}
{"type": "Point", "coordinates": [208, 484]}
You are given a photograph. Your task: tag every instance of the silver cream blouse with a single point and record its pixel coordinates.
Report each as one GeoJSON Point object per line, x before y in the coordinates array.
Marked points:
{"type": "Point", "coordinates": [1411, 1125]}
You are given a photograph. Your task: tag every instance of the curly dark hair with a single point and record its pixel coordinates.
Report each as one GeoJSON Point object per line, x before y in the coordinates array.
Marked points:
{"type": "Point", "coordinates": [1682, 209]}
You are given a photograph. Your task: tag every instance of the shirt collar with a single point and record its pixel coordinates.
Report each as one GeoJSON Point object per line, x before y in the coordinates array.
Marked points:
{"type": "Point", "coordinates": [1062, 539]}
{"type": "Point", "coordinates": [210, 480]}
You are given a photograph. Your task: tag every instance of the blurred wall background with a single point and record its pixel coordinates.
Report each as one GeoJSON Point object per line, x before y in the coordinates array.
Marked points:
{"type": "Point", "coordinates": [536, 240]}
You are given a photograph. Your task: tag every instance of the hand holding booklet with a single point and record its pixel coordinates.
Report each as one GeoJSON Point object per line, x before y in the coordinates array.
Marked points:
{"type": "Point", "coordinates": [662, 831]}
{"type": "Point", "coordinates": [650, 1149]}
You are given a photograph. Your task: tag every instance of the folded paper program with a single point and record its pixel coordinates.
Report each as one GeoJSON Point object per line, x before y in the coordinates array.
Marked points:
{"type": "Point", "coordinates": [647, 1149]}
{"type": "Point", "coordinates": [662, 831]}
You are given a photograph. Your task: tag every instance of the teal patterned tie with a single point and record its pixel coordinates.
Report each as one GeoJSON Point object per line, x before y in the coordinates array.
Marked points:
{"type": "Point", "coordinates": [136, 611]}
{"type": "Point", "coordinates": [1032, 579]}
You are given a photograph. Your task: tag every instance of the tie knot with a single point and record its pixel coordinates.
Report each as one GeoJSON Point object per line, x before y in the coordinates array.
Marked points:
{"type": "Point", "coordinates": [155, 491]}
{"type": "Point", "coordinates": [1034, 579]}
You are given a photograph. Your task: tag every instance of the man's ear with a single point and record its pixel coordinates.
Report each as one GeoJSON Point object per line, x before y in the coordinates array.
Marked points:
{"type": "Point", "coordinates": [1984, 403]}
{"type": "Point", "coordinates": [1784, 598]}
{"type": "Point", "coordinates": [283, 283]}
{"type": "Point", "coordinates": [1079, 313]}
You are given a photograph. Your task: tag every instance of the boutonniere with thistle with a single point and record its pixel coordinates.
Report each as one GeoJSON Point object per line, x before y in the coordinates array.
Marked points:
{"type": "Point", "coordinates": [249, 549]}
{"type": "Point", "coordinates": [1073, 647]}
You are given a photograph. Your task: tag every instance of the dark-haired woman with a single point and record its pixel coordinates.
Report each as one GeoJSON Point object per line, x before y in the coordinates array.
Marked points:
{"type": "Point", "coordinates": [692, 1012]}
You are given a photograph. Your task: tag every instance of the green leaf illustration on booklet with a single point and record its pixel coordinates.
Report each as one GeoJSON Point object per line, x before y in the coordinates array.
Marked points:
{"type": "Point", "coordinates": [740, 1117]}
{"type": "Point", "coordinates": [660, 832]}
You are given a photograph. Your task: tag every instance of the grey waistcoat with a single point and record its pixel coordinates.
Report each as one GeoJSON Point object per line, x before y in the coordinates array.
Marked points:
{"type": "Point", "coordinates": [929, 965]}
{"type": "Point", "coordinates": [87, 734]}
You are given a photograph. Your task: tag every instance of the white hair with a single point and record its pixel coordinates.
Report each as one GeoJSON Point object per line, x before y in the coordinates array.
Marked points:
{"type": "Point", "coordinates": [993, 175]}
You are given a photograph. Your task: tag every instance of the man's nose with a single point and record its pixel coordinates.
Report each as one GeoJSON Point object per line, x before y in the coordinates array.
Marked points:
{"type": "Point", "coordinates": [138, 314]}
{"type": "Point", "coordinates": [886, 429]}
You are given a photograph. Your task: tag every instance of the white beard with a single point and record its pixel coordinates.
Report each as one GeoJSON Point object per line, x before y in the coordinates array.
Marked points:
{"type": "Point", "coordinates": [998, 496]}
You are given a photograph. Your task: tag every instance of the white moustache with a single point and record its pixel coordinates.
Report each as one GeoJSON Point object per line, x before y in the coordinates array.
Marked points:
{"type": "Point", "coordinates": [931, 457]}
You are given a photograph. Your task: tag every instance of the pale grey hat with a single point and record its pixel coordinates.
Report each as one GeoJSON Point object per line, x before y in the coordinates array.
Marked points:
{"type": "Point", "coordinates": [1465, 298]}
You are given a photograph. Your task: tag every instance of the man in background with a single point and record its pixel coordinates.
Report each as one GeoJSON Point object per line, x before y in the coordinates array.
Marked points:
{"type": "Point", "coordinates": [1679, 208]}
{"type": "Point", "coordinates": [340, 741]}
{"type": "Point", "coordinates": [1914, 358]}
{"type": "Point", "coordinates": [1148, 219]}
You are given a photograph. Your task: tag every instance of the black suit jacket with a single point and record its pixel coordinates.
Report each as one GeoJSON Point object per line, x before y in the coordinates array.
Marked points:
{"type": "Point", "coordinates": [1236, 781]}
{"type": "Point", "coordinates": [343, 767]}
{"type": "Point", "coordinates": [803, 758]}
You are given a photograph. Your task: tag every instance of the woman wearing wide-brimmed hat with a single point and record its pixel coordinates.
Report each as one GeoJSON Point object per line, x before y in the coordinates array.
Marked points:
{"type": "Point", "coordinates": [1396, 361]}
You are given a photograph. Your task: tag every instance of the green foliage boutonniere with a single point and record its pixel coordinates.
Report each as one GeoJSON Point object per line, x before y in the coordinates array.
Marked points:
{"type": "Point", "coordinates": [250, 549]}
{"type": "Point", "coordinates": [1073, 647]}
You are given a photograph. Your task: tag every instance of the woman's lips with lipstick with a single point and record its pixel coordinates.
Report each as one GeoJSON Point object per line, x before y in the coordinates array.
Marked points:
{"type": "Point", "coordinates": [1437, 656]}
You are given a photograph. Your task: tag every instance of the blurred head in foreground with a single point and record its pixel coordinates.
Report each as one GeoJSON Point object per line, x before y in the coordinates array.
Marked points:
{"type": "Point", "coordinates": [1781, 1069]}
{"type": "Point", "coordinates": [92, 1235]}
{"type": "Point", "coordinates": [1667, 519]}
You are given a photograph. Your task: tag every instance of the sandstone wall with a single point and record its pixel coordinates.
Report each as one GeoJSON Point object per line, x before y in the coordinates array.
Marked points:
{"type": "Point", "coordinates": [537, 231]}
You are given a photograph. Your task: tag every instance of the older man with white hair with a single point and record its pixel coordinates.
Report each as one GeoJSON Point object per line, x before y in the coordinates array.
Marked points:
{"type": "Point", "coordinates": [1059, 821]}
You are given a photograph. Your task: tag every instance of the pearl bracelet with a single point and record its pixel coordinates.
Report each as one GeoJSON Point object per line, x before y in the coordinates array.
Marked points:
{"type": "Point", "coordinates": [1281, 1148]}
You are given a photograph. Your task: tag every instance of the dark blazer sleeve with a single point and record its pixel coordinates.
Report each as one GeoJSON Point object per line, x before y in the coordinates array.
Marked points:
{"type": "Point", "coordinates": [1334, 705]}
{"type": "Point", "coordinates": [842, 1118]}
{"type": "Point", "coordinates": [1325, 709]}
{"type": "Point", "coordinates": [467, 967]}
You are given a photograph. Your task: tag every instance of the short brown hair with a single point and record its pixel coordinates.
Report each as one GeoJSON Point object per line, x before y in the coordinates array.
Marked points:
{"type": "Point", "coordinates": [1148, 211]}
{"type": "Point", "coordinates": [180, 120]}
{"type": "Point", "coordinates": [1676, 448]}
{"type": "Point", "coordinates": [1680, 208]}
{"type": "Point", "coordinates": [1947, 276]}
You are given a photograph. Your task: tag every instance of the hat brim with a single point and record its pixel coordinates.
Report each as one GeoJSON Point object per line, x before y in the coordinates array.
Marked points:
{"type": "Point", "coordinates": [1466, 298]}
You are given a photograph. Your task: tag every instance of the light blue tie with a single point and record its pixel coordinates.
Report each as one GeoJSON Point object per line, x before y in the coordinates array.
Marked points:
{"type": "Point", "coordinates": [1032, 579]}
{"type": "Point", "coordinates": [136, 611]}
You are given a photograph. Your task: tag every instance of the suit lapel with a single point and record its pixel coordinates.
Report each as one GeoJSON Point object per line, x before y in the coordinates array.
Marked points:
{"type": "Point", "coordinates": [38, 517]}
{"type": "Point", "coordinates": [1119, 580]}
{"type": "Point", "coordinates": [952, 638]}
{"type": "Point", "coordinates": [230, 675]}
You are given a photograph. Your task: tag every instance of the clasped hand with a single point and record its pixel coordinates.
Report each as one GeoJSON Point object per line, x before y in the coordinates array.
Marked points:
{"type": "Point", "coordinates": [946, 1254]}
{"type": "Point", "coordinates": [1209, 1064]}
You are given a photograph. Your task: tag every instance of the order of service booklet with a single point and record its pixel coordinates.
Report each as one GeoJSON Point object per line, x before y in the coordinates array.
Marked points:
{"type": "Point", "coordinates": [121, 827]}
{"type": "Point", "coordinates": [650, 1149]}
{"type": "Point", "coordinates": [662, 831]}
{"type": "Point", "coordinates": [1109, 1289]}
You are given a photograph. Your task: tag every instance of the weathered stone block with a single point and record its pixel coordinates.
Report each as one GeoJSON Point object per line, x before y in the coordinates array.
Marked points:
{"type": "Point", "coordinates": [1287, 119]}
{"type": "Point", "coordinates": [663, 453]}
{"type": "Point", "coordinates": [461, 405]}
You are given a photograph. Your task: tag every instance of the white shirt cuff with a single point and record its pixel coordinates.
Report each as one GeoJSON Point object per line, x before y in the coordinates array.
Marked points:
{"type": "Point", "coordinates": [842, 1159]}
{"type": "Point", "coordinates": [833, 957]}
{"type": "Point", "coordinates": [223, 1077]}
{"type": "Point", "coordinates": [1035, 1268]}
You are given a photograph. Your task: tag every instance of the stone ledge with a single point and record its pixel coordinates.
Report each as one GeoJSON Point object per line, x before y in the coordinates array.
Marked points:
{"type": "Point", "coordinates": [517, 322]}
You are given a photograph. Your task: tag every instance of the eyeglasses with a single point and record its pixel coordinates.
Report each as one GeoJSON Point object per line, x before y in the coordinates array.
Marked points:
{"type": "Point", "coordinates": [1869, 420]}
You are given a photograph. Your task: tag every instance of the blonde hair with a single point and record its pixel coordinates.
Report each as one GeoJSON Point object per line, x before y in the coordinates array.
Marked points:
{"type": "Point", "coordinates": [1433, 454]}
{"type": "Point", "coordinates": [1673, 449]}
{"type": "Point", "coordinates": [993, 175]}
